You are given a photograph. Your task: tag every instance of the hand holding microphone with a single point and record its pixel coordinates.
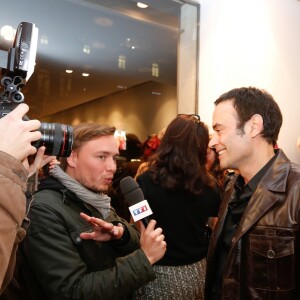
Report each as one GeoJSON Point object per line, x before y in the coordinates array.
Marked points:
{"type": "Point", "coordinates": [152, 240]}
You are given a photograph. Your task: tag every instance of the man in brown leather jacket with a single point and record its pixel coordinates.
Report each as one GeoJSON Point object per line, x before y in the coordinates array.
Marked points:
{"type": "Point", "coordinates": [16, 136]}
{"type": "Point", "coordinates": [254, 251]}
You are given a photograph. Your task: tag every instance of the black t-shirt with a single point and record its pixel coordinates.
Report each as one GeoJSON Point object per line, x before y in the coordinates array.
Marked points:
{"type": "Point", "coordinates": [182, 217]}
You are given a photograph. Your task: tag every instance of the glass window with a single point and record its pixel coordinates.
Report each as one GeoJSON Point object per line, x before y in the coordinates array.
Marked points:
{"type": "Point", "coordinates": [115, 53]}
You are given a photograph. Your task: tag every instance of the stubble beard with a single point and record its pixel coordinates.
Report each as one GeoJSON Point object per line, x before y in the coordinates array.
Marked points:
{"type": "Point", "coordinates": [92, 187]}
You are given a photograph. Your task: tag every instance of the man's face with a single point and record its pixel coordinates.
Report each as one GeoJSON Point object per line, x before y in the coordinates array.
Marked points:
{"type": "Point", "coordinates": [232, 145]}
{"type": "Point", "coordinates": [94, 164]}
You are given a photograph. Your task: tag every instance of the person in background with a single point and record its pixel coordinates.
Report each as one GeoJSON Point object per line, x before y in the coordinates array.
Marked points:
{"type": "Point", "coordinates": [59, 258]}
{"type": "Point", "coordinates": [127, 164]}
{"type": "Point", "coordinates": [213, 166]}
{"type": "Point", "coordinates": [254, 251]}
{"type": "Point", "coordinates": [132, 154]}
{"type": "Point", "coordinates": [150, 147]}
{"type": "Point", "coordinates": [16, 137]}
{"type": "Point", "coordinates": [184, 198]}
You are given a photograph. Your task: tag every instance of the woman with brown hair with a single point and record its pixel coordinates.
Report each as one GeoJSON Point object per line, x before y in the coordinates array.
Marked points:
{"type": "Point", "coordinates": [184, 198]}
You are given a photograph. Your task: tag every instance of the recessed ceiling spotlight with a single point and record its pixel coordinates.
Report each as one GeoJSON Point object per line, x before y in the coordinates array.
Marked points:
{"type": "Point", "coordinates": [69, 71]}
{"type": "Point", "coordinates": [142, 5]}
{"type": "Point", "coordinates": [86, 49]}
{"type": "Point", "coordinates": [44, 40]}
{"type": "Point", "coordinates": [85, 74]}
{"type": "Point", "coordinates": [8, 32]}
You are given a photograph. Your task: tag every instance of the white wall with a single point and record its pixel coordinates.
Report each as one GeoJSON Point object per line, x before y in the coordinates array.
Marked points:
{"type": "Point", "coordinates": [253, 43]}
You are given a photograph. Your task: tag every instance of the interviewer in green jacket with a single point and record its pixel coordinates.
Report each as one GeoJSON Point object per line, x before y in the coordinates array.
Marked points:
{"type": "Point", "coordinates": [57, 261]}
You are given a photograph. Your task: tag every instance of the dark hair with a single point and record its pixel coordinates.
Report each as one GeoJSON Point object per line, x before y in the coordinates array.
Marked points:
{"type": "Point", "coordinates": [250, 101]}
{"type": "Point", "coordinates": [179, 162]}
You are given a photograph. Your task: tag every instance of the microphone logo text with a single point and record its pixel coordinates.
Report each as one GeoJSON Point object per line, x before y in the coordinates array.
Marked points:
{"type": "Point", "coordinates": [140, 210]}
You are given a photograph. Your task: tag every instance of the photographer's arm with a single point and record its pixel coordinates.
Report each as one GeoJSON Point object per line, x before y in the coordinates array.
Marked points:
{"type": "Point", "coordinates": [13, 178]}
{"type": "Point", "coordinates": [16, 136]}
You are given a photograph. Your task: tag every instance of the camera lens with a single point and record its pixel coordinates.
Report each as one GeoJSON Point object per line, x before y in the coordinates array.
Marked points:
{"type": "Point", "coordinates": [57, 138]}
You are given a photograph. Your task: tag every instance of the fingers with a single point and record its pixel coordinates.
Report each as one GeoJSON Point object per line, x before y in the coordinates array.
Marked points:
{"type": "Point", "coordinates": [34, 125]}
{"type": "Point", "coordinates": [97, 222]}
{"type": "Point", "coordinates": [155, 232]}
{"type": "Point", "coordinates": [102, 231]}
{"type": "Point", "coordinates": [19, 111]}
{"type": "Point", "coordinates": [39, 161]}
{"type": "Point", "coordinates": [158, 236]}
{"type": "Point", "coordinates": [85, 217]}
{"type": "Point", "coordinates": [153, 242]}
{"type": "Point", "coordinates": [54, 161]}
{"type": "Point", "coordinates": [87, 235]}
{"type": "Point", "coordinates": [39, 157]}
{"type": "Point", "coordinates": [47, 159]}
{"type": "Point", "coordinates": [32, 150]}
{"type": "Point", "coordinates": [150, 226]}
{"type": "Point", "coordinates": [16, 135]}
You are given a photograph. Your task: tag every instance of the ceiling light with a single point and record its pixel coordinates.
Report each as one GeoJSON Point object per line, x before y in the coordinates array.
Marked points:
{"type": "Point", "coordinates": [142, 5]}
{"type": "Point", "coordinates": [86, 49]}
{"type": "Point", "coordinates": [85, 74]}
{"type": "Point", "coordinates": [8, 32]}
{"type": "Point", "coordinates": [44, 40]}
{"type": "Point", "coordinates": [69, 71]}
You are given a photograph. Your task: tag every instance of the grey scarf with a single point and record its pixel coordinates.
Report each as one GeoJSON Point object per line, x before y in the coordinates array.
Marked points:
{"type": "Point", "coordinates": [98, 200]}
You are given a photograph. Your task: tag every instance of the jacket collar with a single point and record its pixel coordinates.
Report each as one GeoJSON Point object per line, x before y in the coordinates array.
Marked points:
{"type": "Point", "coordinates": [268, 193]}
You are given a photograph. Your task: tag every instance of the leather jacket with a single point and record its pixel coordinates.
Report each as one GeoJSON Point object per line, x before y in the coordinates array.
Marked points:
{"type": "Point", "coordinates": [264, 257]}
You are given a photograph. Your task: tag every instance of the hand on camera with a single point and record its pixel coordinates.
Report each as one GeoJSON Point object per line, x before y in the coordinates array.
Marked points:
{"type": "Point", "coordinates": [16, 135]}
{"type": "Point", "coordinates": [39, 161]}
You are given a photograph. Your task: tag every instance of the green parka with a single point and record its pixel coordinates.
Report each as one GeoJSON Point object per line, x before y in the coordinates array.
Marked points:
{"type": "Point", "coordinates": [56, 264]}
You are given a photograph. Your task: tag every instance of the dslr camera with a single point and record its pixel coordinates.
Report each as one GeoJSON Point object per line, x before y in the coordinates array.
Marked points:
{"type": "Point", "coordinates": [17, 66]}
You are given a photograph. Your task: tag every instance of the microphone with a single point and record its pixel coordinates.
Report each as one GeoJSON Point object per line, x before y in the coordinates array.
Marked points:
{"type": "Point", "coordinates": [138, 206]}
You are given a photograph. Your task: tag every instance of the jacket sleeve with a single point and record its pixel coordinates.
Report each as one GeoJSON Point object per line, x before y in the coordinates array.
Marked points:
{"type": "Point", "coordinates": [13, 178]}
{"type": "Point", "coordinates": [60, 271]}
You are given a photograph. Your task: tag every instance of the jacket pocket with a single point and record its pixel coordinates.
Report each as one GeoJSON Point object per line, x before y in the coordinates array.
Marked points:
{"type": "Point", "coordinates": [272, 262]}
